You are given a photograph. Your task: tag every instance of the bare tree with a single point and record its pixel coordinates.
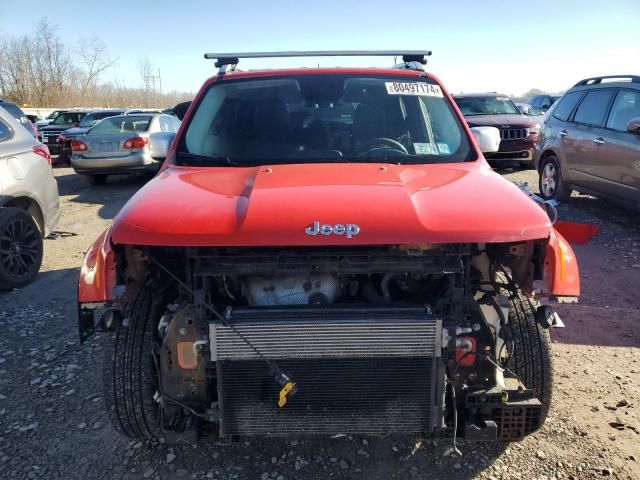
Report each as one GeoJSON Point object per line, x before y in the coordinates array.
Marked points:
{"type": "Point", "coordinates": [39, 70]}
{"type": "Point", "coordinates": [93, 53]}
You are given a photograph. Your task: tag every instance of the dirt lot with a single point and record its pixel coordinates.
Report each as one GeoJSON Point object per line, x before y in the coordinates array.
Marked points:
{"type": "Point", "coordinates": [53, 424]}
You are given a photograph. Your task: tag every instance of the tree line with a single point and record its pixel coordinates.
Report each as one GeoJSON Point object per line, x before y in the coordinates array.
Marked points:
{"type": "Point", "coordinates": [40, 70]}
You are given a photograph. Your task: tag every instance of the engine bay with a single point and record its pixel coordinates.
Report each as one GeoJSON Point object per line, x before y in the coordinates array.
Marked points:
{"type": "Point", "coordinates": [375, 340]}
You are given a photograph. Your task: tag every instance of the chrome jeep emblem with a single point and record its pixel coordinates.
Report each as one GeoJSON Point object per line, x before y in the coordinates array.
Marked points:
{"type": "Point", "coordinates": [350, 229]}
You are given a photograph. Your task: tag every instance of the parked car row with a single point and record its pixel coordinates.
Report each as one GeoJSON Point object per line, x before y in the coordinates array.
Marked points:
{"type": "Point", "coordinates": [119, 144]}
{"type": "Point", "coordinates": [103, 142]}
{"type": "Point", "coordinates": [588, 140]}
{"type": "Point", "coordinates": [88, 121]}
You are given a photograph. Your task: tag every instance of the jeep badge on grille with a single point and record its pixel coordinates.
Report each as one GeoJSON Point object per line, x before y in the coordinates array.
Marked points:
{"type": "Point", "coordinates": [350, 229]}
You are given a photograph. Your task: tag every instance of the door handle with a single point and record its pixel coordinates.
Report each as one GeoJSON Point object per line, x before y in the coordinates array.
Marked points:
{"type": "Point", "coordinates": [599, 140]}
{"type": "Point", "coordinates": [563, 133]}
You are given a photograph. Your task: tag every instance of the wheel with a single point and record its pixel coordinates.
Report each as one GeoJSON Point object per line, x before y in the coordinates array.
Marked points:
{"type": "Point", "coordinates": [532, 358]}
{"type": "Point", "coordinates": [129, 371]}
{"type": "Point", "coordinates": [551, 184]}
{"type": "Point", "coordinates": [20, 248]}
{"type": "Point", "coordinates": [97, 179]}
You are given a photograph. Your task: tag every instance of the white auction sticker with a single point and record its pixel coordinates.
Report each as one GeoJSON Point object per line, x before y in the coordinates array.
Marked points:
{"type": "Point", "coordinates": [425, 149]}
{"type": "Point", "coordinates": [420, 89]}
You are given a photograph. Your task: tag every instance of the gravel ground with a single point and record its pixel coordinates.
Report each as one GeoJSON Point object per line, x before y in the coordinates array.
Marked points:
{"type": "Point", "coordinates": [53, 424]}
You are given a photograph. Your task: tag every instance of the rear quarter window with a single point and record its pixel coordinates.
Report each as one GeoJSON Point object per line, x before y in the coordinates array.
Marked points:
{"type": "Point", "coordinates": [625, 107]}
{"type": "Point", "coordinates": [5, 131]}
{"type": "Point", "coordinates": [15, 112]}
{"type": "Point", "coordinates": [567, 104]}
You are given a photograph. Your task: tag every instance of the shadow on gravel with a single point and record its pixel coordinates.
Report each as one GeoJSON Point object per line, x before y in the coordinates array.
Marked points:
{"type": "Point", "coordinates": [508, 167]}
{"type": "Point", "coordinates": [112, 196]}
{"type": "Point", "coordinates": [56, 283]}
{"type": "Point", "coordinates": [608, 313]}
{"type": "Point", "coordinates": [597, 210]}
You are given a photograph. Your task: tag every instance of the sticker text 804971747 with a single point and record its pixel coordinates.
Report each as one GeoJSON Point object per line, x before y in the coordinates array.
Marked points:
{"type": "Point", "coordinates": [413, 88]}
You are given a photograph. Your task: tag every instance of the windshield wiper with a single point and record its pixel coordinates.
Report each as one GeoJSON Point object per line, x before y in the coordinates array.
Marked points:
{"type": "Point", "coordinates": [204, 160]}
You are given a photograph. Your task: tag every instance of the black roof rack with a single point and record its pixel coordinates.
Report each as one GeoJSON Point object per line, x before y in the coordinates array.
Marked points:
{"type": "Point", "coordinates": [224, 59]}
{"type": "Point", "coordinates": [597, 80]}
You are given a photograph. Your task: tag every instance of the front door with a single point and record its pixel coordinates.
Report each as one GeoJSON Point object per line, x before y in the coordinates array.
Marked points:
{"type": "Point", "coordinates": [582, 135]}
{"type": "Point", "coordinates": [616, 152]}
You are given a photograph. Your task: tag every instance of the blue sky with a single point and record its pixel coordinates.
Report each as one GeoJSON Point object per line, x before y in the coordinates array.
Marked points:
{"type": "Point", "coordinates": [478, 45]}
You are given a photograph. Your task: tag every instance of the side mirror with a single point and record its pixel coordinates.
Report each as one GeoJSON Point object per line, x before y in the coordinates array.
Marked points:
{"type": "Point", "coordinates": [488, 138]}
{"type": "Point", "coordinates": [159, 143]}
{"type": "Point", "coordinates": [634, 125]}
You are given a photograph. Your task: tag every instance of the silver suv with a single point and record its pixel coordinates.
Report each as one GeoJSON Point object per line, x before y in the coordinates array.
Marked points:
{"type": "Point", "coordinates": [591, 141]}
{"type": "Point", "coordinates": [28, 202]}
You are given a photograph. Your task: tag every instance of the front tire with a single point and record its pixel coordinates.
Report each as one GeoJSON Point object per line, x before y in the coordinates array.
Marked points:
{"type": "Point", "coordinates": [532, 358]}
{"type": "Point", "coordinates": [20, 248]}
{"type": "Point", "coordinates": [129, 376]}
{"type": "Point", "coordinates": [551, 184]}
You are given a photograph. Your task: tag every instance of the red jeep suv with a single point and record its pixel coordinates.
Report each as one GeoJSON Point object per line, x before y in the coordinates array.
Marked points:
{"type": "Point", "coordinates": [519, 133]}
{"type": "Point", "coordinates": [324, 251]}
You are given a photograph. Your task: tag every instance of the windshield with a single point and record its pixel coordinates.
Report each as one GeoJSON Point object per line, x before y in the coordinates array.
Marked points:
{"type": "Point", "coordinates": [93, 118]}
{"type": "Point", "coordinates": [68, 118]}
{"type": "Point", "coordinates": [121, 124]}
{"type": "Point", "coordinates": [53, 114]}
{"type": "Point", "coordinates": [470, 106]}
{"type": "Point", "coordinates": [317, 118]}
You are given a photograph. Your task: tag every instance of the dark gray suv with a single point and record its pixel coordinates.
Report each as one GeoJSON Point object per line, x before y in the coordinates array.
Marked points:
{"type": "Point", "coordinates": [591, 141]}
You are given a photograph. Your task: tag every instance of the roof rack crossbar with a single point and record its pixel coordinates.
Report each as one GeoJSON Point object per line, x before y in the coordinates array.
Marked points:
{"type": "Point", "coordinates": [322, 53]}
{"type": "Point", "coordinates": [225, 59]}
{"type": "Point", "coordinates": [596, 80]}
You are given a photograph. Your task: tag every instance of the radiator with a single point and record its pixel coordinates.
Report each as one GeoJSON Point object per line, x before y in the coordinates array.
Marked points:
{"type": "Point", "coordinates": [357, 370]}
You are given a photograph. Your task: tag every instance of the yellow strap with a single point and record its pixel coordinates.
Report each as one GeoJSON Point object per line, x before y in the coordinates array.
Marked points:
{"type": "Point", "coordinates": [282, 401]}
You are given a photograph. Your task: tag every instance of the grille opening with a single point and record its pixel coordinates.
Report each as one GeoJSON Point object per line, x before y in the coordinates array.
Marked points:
{"type": "Point", "coordinates": [513, 133]}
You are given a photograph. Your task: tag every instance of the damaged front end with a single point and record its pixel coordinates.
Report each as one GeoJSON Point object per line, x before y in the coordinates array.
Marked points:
{"type": "Point", "coordinates": [431, 340]}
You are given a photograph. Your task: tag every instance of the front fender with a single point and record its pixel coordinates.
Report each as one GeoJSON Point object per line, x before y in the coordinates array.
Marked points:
{"type": "Point", "coordinates": [561, 273]}
{"type": "Point", "coordinates": [98, 271]}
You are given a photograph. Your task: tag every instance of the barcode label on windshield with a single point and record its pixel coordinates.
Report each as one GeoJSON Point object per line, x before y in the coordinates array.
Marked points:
{"type": "Point", "coordinates": [414, 88]}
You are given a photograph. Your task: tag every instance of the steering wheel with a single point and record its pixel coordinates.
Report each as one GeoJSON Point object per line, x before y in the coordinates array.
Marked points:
{"type": "Point", "coordinates": [377, 142]}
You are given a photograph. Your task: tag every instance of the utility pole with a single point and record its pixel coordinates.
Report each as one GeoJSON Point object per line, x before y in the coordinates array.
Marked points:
{"type": "Point", "coordinates": [151, 80]}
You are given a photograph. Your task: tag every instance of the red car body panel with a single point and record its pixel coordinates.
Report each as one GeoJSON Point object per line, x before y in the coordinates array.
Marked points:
{"type": "Point", "coordinates": [272, 206]}
{"type": "Point", "coordinates": [561, 267]}
{"type": "Point", "coordinates": [98, 271]}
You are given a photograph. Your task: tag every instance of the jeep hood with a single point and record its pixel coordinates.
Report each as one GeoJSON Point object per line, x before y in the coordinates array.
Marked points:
{"type": "Point", "coordinates": [512, 120]}
{"type": "Point", "coordinates": [272, 206]}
